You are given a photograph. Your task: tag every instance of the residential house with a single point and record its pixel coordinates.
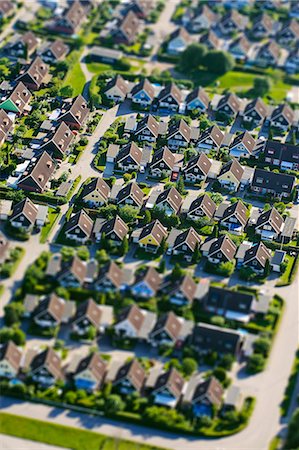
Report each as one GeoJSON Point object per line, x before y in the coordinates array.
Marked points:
{"type": "Point", "coordinates": [76, 113]}
{"type": "Point", "coordinates": [269, 225]}
{"type": "Point", "coordinates": [255, 112]}
{"type": "Point", "coordinates": [242, 146]}
{"type": "Point", "coordinates": [18, 100]}
{"type": "Point", "coordinates": [54, 51]}
{"type": "Point", "coordinates": [197, 168]}
{"type": "Point", "coordinates": [147, 129]}
{"type": "Point", "coordinates": [291, 63]}
{"type": "Point", "coordinates": [114, 230]}
{"type": "Point", "coordinates": [240, 48]}
{"type": "Point", "coordinates": [197, 99]}
{"type": "Point", "coordinates": [73, 273]}
{"type": "Point", "coordinates": [276, 184]}
{"type": "Point", "coordinates": [235, 218]}
{"type": "Point", "coordinates": [24, 215]}
{"type": "Point", "coordinates": [129, 322]}
{"type": "Point", "coordinates": [146, 284]}
{"type": "Point", "coordinates": [88, 314]}
{"type": "Point", "coordinates": [6, 9]}
{"type": "Point", "coordinates": [170, 201]}
{"type": "Point", "coordinates": [268, 54]}
{"type": "Point", "coordinates": [284, 155]}
{"type": "Point", "coordinates": [130, 377]}
{"type": "Point", "coordinates": [45, 368]}
{"type": "Point", "coordinates": [49, 312]}
{"type": "Point", "coordinates": [90, 372]}
{"type": "Point", "coordinates": [130, 194]}
{"type": "Point", "coordinates": [256, 257]}
{"type": "Point", "coordinates": [142, 8]}
{"type": "Point", "coordinates": [151, 236]}
{"type": "Point", "coordinates": [210, 139]}
{"type": "Point", "coordinates": [34, 76]}
{"type": "Point", "coordinates": [169, 388]}
{"type": "Point", "coordinates": [233, 305]}
{"type": "Point", "coordinates": [178, 41]}
{"type": "Point", "coordinates": [210, 40]}
{"type": "Point", "coordinates": [207, 397]}
{"type": "Point", "coordinates": [181, 292]}
{"type": "Point", "coordinates": [230, 175]}
{"type": "Point", "coordinates": [202, 207]}
{"type": "Point", "coordinates": [289, 32]}
{"type": "Point", "coordinates": [117, 89]}
{"type": "Point", "coordinates": [6, 125]}
{"type": "Point", "coordinates": [129, 157]}
{"type": "Point", "coordinates": [167, 330]}
{"type": "Point", "coordinates": [229, 105]}
{"type": "Point", "coordinates": [38, 174]}
{"type": "Point", "coordinates": [282, 117]}
{"type": "Point", "coordinates": [207, 338]}
{"type": "Point", "coordinates": [58, 142]}
{"type": "Point", "coordinates": [127, 29]}
{"type": "Point", "coordinates": [262, 27]}
{"type": "Point", "coordinates": [96, 192]}
{"type": "Point", "coordinates": [203, 19]}
{"type": "Point", "coordinates": [79, 227]}
{"type": "Point", "coordinates": [110, 278]}
{"type": "Point", "coordinates": [179, 135]}
{"type": "Point", "coordinates": [170, 97]}
{"type": "Point", "coordinates": [219, 250]}
{"type": "Point", "coordinates": [5, 209]}
{"type": "Point", "coordinates": [232, 22]}
{"type": "Point", "coordinates": [22, 46]}
{"type": "Point", "coordinates": [143, 93]}
{"type": "Point", "coordinates": [70, 21]}
{"type": "Point", "coordinates": [10, 360]}
{"type": "Point", "coordinates": [185, 243]}
{"type": "Point", "coordinates": [162, 163]}
{"type": "Point", "coordinates": [277, 260]}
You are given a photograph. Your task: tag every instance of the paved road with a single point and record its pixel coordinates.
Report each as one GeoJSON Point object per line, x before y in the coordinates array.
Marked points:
{"type": "Point", "coordinates": [12, 443]}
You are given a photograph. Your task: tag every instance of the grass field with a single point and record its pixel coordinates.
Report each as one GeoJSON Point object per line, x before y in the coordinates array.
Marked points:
{"type": "Point", "coordinates": [284, 280]}
{"type": "Point", "coordinates": [53, 215]}
{"type": "Point", "coordinates": [63, 436]}
{"type": "Point", "coordinates": [76, 79]}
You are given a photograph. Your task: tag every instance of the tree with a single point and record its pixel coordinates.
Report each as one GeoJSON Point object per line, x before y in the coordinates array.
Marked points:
{"type": "Point", "coordinates": [192, 57]}
{"type": "Point", "coordinates": [196, 254]}
{"type": "Point", "coordinates": [219, 62]}
{"type": "Point", "coordinates": [262, 346]}
{"type": "Point", "coordinates": [67, 253]}
{"type": "Point", "coordinates": [162, 266]}
{"type": "Point", "coordinates": [218, 320]}
{"type": "Point", "coordinates": [292, 441]}
{"type": "Point", "coordinates": [181, 186]}
{"type": "Point", "coordinates": [220, 374]}
{"type": "Point", "coordinates": [128, 213]}
{"type": "Point", "coordinates": [261, 86]}
{"type": "Point", "coordinates": [227, 361]}
{"type": "Point", "coordinates": [267, 268]}
{"type": "Point", "coordinates": [147, 217]}
{"type": "Point", "coordinates": [177, 272]}
{"type": "Point", "coordinates": [256, 363]}
{"type": "Point", "coordinates": [124, 248]}
{"type": "Point", "coordinates": [66, 91]}
{"type": "Point", "coordinates": [102, 257]}
{"type": "Point", "coordinates": [114, 404]}
{"type": "Point", "coordinates": [13, 313]}
{"type": "Point", "coordinates": [189, 365]}
{"type": "Point", "coordinates": [83, 253]}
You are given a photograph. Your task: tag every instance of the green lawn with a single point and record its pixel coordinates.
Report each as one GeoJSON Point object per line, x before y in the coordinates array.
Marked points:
{"type": "Point", "coordinates": [75, 78]}
{"type": "Point", "coordinates": [98, 68]}
{"type": "Point", "coordinates": [284, 280]}
{"type": "Point", "coordinates": [63, 436]}
{"type": "Point", "coordinates": [53, 215]}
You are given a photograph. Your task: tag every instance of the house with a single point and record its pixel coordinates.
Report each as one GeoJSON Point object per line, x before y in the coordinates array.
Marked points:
{"type": "Point", "coordinates": [129, 322]}
{"type": "Point", "coordinates": [114, 230]}
{"type": "Point", "coordinates": [233, 305]}
{"type": "Point", "coordinates": [289, 32]}
{"type": "Point", "coordinates": [230, 175]}
{"type": "Point", "coordinates": [269, 225]}
{"type": "Point", "coordinates": [147, 129]}
{"type": "Point", "coordinates": [229, 105]}
{"type": "Point", "coordinates": [110, 278]}
{"type": "Point", "coordinates": [73, 273]}
{"type": "Point", "coordinates": [203, 19]}
{"type": "Point", "coordinates": [89, 314]}
{"type": "Point", "coordinates": [76, 113]}
{"type": "Point", "coordinates": [277, 260]}
{"type": "Point", "coordinates": [282, 117]}
{"type": "Point", "coordinates": [197, 168]}
{"type": "Point", "coordinates": [210, 40]}
{"type": "Point", "coordinates": [275, 184]}
{"type": "Point", "coordinates": [151, 236]}
{"type": "Point", "coordinates": [202, 207]}
{"type": "Point", "coordinates": [79, 227]}
{"type": "Point", "coordinates": [24, 215]}
{"type": "Point", "coordinates": [185, 244]}
{"type": "Point", "coordinates": [22, 46]}
{"type": "Point", "coordinates": [256, 257]}
{"type": "Point", "coordinates": [268, 54]}
{"type": "Point", "coordinates": [70, 20]}
{"type": "Point", "coordinates": [130, 377]}
{"type": "Point", "coordinates": [235, 218]}
{"type": "Point", "coordinates": [167, 330]}
{"type": "Point", "coordinates": [181, 292]}
{"type": "Point", "coordinates": [242, 146]}
{"type": "Point", "coordinates": [45, 368]}
{"type": "Point", "coordinates": [117, 89]}
{"type": "Point", "coordinates": [38, 174]}
{"type": "Point", "coordinates": [90, 372]}
{"type": "Point", "coordinates": [58, 142]}
{"type": "Point", "coordinates": [168, 389]}
{"type": "Point", "coordinates": [143, 93]}
{"type": "Point", "coordinates": [197, 99]}
{"type": "Point", "coordinates": [35, 75]}
{"type": "Point", "coordinates": [146, 284]}
{"type": "Point", "coordinates": [179, 135]}
{"type": "Point", "coordinates": [207, 338]}
{"type": "Point", "coordinates": [4, 246]}
{"type": "Point", "coordinates": [162, 163]}
{"type": "Point", "coordinates": [178, 41]}
{"type": "Point", "coordinates": [255, 112]}
{"type": "Point", "coordinates": [49, 312]}
{"type": "Point", "coordinates": [10, 360]}
{"type": "Point", "coordinates": [232, 22]}
{"type": "Point", "coordinates": [142, 8]}
{"type": "Point", "coordinates": [96, 192]}
{"type": "Point", "coordinates": [6, 125]}
{"type": "Point", "coordinates": [233, 399]}
{"type": "Point", "coordinates": [129, 157]}
{"type": "Point", "coordinates": [18, 100]}
{"type": "Point", "coordinates": [207, 397]}
{"type": "Point", "coordinates": [284, 155]}
{"type": "Point", "coordinates": [291, 63]}
{"type": "Point", "coordinates": [54, 51]}
{"type": "Point", "coordinates": [170, 201]}
{"type": "Point", "coordinates": [219, 250]}
{"type": "Point", "coordinates": [170, 97]}
{"type": "Point", "coordinates": [127, 29]}
{"type": "Point", "coordinates": [210, 139]}
{"type": "Point", "coordinates": [6, 9]}
{"type": "Point", "coordinates": [262, 27]}
{"type": "Point", "coordinates": [130, 194]}
{"type": "Point", "coordinates": [240, 48]}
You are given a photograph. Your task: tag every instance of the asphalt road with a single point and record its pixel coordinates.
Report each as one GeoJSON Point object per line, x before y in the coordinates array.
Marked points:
{"type": "Point", "coordinates": [12, 443]}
